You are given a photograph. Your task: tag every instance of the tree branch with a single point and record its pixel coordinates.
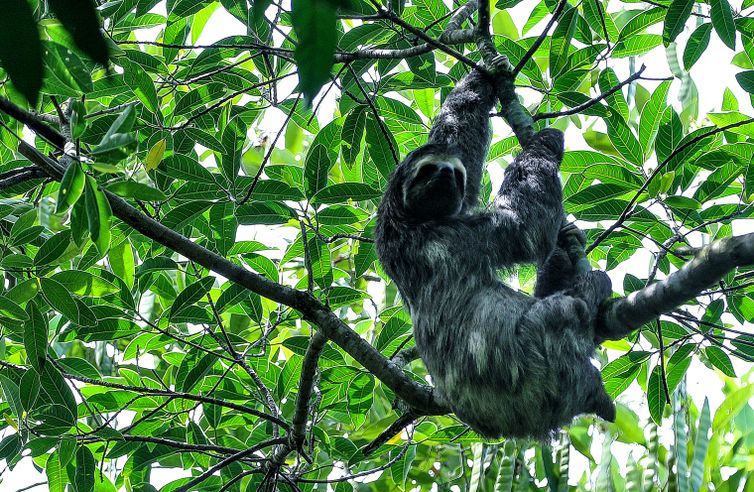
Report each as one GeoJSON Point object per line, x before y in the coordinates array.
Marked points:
{"type": "Point", "coordinates": [660, 168]}
{"type": "Point", "coordinates": [20, 175]}
{"type": "Point", "coordinates": [393, 430]}
{"type": "Point", "coordinates": [305, 387]}
{"type": "Point", "coordinates": [618, 317]}
{"type": "Point", "coordinates": [581, 107]}
{"type": "Point", "coordinates": [34, 122]}
{"type": "Point", "coordinates": [227, 461]}
{"type": "Point", "coordinates": [538, 42]}
{"type": "Point", "coordinates": [417, 396]}
{"type": "Point", "coordinates": [170, 394]}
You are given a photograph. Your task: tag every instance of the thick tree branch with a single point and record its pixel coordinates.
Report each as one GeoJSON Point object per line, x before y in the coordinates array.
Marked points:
{"type": "Point", "coordinates": [20, 175]}
{"type": "Point", "coordinates": [34, 122]}
{"type": "Point", "coordinates": [618, 317]}
{"type": "Point", "coordinates": [417, 396]}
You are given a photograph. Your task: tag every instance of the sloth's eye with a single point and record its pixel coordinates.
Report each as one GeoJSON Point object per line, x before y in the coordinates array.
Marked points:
{"type": "Point", "coordinates": [426, 172]}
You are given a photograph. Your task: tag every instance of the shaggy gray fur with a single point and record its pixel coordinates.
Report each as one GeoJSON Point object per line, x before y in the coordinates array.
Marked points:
{"type": "Point", "coordinates": [507, 363]}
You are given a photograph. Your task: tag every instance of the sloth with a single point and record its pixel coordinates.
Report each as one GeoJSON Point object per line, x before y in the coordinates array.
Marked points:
{"type": "Point", "coordinates": [507, 364]}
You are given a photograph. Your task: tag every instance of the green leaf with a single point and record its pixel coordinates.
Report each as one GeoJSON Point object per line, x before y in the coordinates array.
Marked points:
{"type": "Point", "coordinates": [121, 260]}
{"type": "Point", "coordinates": [720, 359]}
{"type": "Point", "coordinates": [86, 467]}
{"type": "Point", "coordinates": [79, 17]}
{"type": "Point", "coordinates": [29, 389]}
{"type": "Point", "coordinates": [192, 369]}
{"type": "Point", "coordinates": [636, 45]}
{"type": "Point", "coordinates": [71, 186]}
{"type": "Point", "coordinates": [677, 365]}
{"type": "Point", "coordinates": [352, 134]}
{"type": "Point", "coordinates": [675, 20]}
{"type": "Point", "coordinates": [623, 139]}
{"type": "Point", "coordinates": [641, 21]}
{"type": "Point", "coordinates": [731, 406]}
{"type": "Point", "coordinates": [185, 8]}
{"type": "Point", "coordinates": [137, 191]}
{"type": "Point", "coordinates": [85, 284]}
{"type": "Point", "coordinates": [59, 392]}
{"type": "Point", "coordinates": [10, 447]}
{"type": "Point", "coordinates": [78, 121]}
{"type": "Point", "coordinates": [696, 45]}
{"type": "Point", "coordinates": [314, 23]}
{"type": "Point", "coordinates": [656, 395]}
{"type": "Point", "coordinates": [20, 48]}
{"type": "Point", "coordinates": [381, 145]}
{"type": "Point", "coordinates": [700, 447]}
{"type": "Point", "coordinates": [11, 310]}
{"type": "Point", "coordinates": [56, 475]}
{"type": "Point", "coordinates": [53, 248]}
{"type": "Point", "coordinates": [746, 80]}
{"type": "Point", "coordinates": [183, 214]}
{"type": "Point", "coordinates": [65, 73]}
{"type": "Point", "coordinates": [141, 84]}
{"type": "Point", "coordinates": [98, 215]}
{"type": "Point", "coordinates": [118, 135]}
{"type": "Point", "coordinates": [258, 8]}
{"type": "Point", "coordinates": [607, 80]}
{"type": "Point", "coordinates": [63, 302]}
{"type": "Point", "coordinates": [186, 168]}
{"type": "Point", "coordinates": [594, 194]}
{"type": "Point", "coordinates": [191, 294]}
{"type": "Point", "coordinates": [233, 139]}
{"type": "Point", "coordinates": [35, 336]}
{"type": "Point", "coordinates": [600, 20]}
{"type": "Point", "coordinates": [316, 169]}
{"type": "Point", "coordinates": [722, 21]}
{"type": "Point", "coordinates": [342, 192]}
{"type": "Point", "coordinates": [11, 395]}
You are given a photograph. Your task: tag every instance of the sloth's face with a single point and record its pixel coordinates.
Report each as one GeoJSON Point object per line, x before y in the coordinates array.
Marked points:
{"type": "Point", "coordinates": [436, 187]}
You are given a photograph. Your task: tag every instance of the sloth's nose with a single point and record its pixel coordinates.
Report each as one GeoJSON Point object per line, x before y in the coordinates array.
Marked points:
{"type": "Point", "coordinates": [445, 170]}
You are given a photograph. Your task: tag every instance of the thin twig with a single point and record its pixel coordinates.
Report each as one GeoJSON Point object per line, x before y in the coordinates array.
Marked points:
{"type": "Point", "coordinates": [535, 46]}
{"type": "Point", "coordinates": [581, 107]}
{"type": "Point", "coordinates": [655, 173]}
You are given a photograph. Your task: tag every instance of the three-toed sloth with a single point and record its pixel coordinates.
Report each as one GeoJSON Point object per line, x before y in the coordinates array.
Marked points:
{"type": "Point", "coordinates": [508, 364]}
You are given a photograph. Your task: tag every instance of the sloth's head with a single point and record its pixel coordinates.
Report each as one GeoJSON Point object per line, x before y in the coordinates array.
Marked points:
{"type": "Point", "coordinates": [434, 183]}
